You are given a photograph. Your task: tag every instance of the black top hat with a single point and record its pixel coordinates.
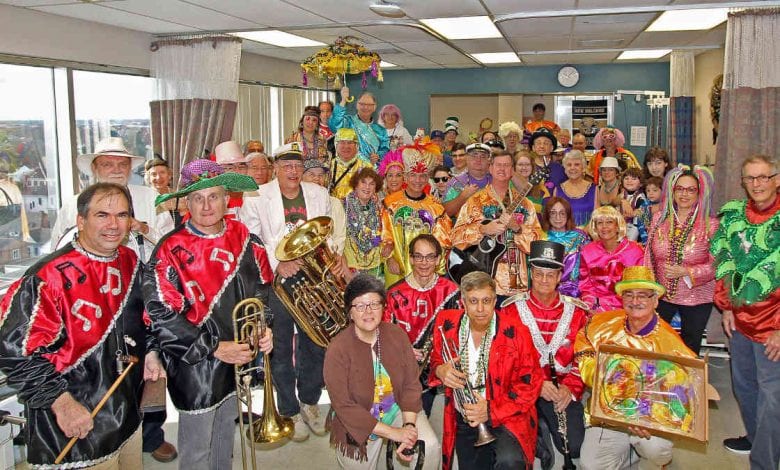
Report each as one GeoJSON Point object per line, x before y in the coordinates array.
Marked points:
{"type": "Point", "coordinates": [547, 254]}
{"type": "Point", "coordinates": [543, 132]}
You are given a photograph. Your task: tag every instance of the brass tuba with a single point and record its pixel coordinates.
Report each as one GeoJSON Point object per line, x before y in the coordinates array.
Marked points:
{"type": "Point", "coordinates": [248, 327]}
{"type": "Point", "coordinates": [314, 296]}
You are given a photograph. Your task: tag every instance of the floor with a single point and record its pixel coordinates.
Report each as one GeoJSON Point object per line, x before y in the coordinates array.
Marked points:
{"type": "Point", "coordinates": [315, 453]}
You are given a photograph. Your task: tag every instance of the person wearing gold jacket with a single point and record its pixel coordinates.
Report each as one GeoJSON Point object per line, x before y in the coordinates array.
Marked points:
{"type": "Point", "coordinates": [638, 326]}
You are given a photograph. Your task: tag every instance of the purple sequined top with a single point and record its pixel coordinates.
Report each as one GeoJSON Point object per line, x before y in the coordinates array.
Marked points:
{"type": "Point", "coordinates": [581, 207]}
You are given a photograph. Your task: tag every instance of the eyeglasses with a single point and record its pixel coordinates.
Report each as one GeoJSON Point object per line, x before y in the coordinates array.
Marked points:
{"type": "Point", "coordinates": [367, 104]}
{"type": "Point", "coordinates": [761, 179]}
{"type": "Point", "coordinates": [640, 297]}
{"type": "Point", "coordinates": [557, 214]}
{"type": "Point", "coordinates": [479, 155]}
{"type": "Point", "coordinates": [429, 257]}
{"type": "Point", "coordinates": [288, 167]}
{"type": "Point", "coordinates": [360, 308]}
{"type": "Point", "coordinates": [441, 179]}
{"type": "Point", "coordinates": [686, 190]}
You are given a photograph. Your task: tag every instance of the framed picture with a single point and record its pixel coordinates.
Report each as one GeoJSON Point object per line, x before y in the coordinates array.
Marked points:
{"type": "Point", "coordinates": [662, 393]}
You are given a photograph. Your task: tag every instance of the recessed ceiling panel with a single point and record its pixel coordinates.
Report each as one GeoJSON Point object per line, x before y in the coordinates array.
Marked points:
{"type": "Point", "coordinates": [268, 12]}
{"type": "Point", "coordinates": [396, 33]}
{"type": "Point", "coordinates": [184, 13]}
{"type": "Point", "coordinates": [612, 23]}
{"type": "Point", "coordinates": [505, 7]}
{"type": "Point", "coordinates": [477, 46]}
{"type": "Point", "coordinates": [537, 27]}
{"type": "Point", "coordinates": [541, 43]}
{"type": "Point", "coordinates": [122, 19]}
{"type": "Point", "coordinates": [665, 39]}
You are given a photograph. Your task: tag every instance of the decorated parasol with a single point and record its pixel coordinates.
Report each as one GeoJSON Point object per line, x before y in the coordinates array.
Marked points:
{"type": "Point", "coordinates": [345, 56]}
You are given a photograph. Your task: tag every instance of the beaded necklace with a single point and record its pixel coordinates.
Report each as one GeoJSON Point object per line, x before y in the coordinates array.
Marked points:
{"type": "Point", "coordinates": [378, 383]}
{"type": "Point", "coordinates": [313, 151]}
{"type": "Point", "coordinates": [677, 245]}
{"type": "Point", "coordinates": [464, 336]}
{"type": "Point", "coordinates": [363, 224]}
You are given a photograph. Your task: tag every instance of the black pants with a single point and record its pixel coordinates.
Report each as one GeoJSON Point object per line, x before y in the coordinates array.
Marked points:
{"type": "Point", "coordinates": [152, 432]}
{"type": "Point", "coordinates": [575, 425]}
{"type": "Point", "coordinates": [504, 453]}
{"type": "Point", "coordinates": [693, 320]}
{"type": "Point", "coordinates": [306, 374]}
{"type": "Point", "coordinates": [427, 400]}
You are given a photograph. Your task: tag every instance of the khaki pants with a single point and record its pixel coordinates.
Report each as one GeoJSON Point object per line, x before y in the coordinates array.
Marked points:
{"type": "Point", "coordinates": [374, 448]}
{"type": "Point", "coordinates": [605, 448]}
{"type": "Point", "coordinates": [128, 458]}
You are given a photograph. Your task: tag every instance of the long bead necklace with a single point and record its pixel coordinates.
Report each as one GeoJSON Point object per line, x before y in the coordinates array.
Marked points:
{"type": "Point", "coordinates": [379, 383]}
{"type": "Point", "coordinates": [464, 336]}
{"type": "Point", "coordinates": [679, 236]}
{"type": "Point", "coordinates": [363, 224]}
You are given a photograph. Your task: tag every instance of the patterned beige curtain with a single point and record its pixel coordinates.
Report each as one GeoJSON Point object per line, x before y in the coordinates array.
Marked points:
{"type": "Point", "coordinates": [196, 82]}
{"type": "Point", "coordinates": [750, 101]}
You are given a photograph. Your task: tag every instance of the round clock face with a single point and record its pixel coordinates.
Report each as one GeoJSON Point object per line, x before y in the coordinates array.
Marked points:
{"type": "Point", "coordinates": [568, 76]}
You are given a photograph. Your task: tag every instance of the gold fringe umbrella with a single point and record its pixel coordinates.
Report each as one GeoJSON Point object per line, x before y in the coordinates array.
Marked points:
{"type": "Point", "coordinates": [345, 56]}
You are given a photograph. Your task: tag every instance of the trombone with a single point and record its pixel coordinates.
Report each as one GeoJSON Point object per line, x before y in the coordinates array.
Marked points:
{"type": "Point", "coordinates": [249, 326]}
{"type": "Point", "coordinates": [464, 395]}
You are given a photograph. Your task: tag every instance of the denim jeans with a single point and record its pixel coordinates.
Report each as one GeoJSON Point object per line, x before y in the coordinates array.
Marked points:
{"type": "Point", "coordinates": [153, 434]}
{"type": "Point", "coordinates": [756, 382]}
{"type": "Point", "coordinates": [206, 439]}
{"type": "Point", "coordinates": [305, 374]}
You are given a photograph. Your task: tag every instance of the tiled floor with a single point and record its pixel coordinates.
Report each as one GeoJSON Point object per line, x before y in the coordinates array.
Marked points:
{"type": "Point", "coordinates": [316, 454]}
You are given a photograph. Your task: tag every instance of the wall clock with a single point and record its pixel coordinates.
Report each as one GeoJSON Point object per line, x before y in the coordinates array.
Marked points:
{"type": "Point", "coordinates": [568, 76]}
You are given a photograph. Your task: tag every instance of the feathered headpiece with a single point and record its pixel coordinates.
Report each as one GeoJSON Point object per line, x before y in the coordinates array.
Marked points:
{"type": "Point", "coordinates": [392, 158]}
{"type": "Point", "coordinates": [420, 156]}
{"type": "Point", "coordinates": [704, 180]}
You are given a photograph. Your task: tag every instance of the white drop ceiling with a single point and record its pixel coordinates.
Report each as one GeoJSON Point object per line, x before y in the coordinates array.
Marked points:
{"type": "Point", "coordinates": [563, 31]}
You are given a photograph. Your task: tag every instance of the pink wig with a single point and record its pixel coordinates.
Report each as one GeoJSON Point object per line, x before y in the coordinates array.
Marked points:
{"type": "Point", "coordinates": [390, 109]}
{"type": "Point", "coordinates": [392, 158]}
{"type": "Point", "coordinates": [598, 141]}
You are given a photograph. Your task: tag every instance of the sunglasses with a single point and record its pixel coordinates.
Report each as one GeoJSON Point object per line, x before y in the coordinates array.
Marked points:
{"type": "Point", "coordinates": [441, 179]}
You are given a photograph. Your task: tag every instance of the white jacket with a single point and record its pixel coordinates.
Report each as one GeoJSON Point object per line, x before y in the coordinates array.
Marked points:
{"type": "Point", "coordinates": [263, 214]}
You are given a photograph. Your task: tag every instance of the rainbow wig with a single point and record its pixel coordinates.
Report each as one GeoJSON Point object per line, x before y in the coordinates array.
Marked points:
{"type": "Point", "coordinates": [704, 180]}
{"type": "Point", "coordinates": [607, 212]}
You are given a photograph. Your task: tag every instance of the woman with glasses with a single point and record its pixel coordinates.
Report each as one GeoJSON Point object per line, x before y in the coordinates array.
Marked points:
{"type": "Point", "coordinates": [579, 192]}
{"type": "Point", "coordinates": [373, 382]}
{"type": "Point", "coordinates": [678, 251]}
{"type": "Point", "coordinates": [363, 248]}
{"type": "Point", "coordinates": [558, 225]}
{"type": "Point", "coordinates": [603, 260]}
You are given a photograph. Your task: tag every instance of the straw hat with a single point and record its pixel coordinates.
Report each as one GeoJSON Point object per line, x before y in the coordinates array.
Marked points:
{"type": "Point", "coordinates": [111, 146]}
{"type": "Point", "coordinates": [229, 153]}
{"type": "Point", "coordinates": [639, 277]}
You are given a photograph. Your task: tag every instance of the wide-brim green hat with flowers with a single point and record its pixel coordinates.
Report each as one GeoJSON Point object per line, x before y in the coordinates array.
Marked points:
{"type": "Point", "coordinates": [202, 174]}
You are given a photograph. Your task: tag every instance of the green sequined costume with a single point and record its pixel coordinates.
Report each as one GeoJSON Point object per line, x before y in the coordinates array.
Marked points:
{"type": "Point", "coordinates": [747, 255]}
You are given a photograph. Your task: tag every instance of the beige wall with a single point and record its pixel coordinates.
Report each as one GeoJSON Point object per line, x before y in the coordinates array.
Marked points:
{"type": "Point", "coordinates": [470, 109]}
{"type": "Point", "coordinates": [35, 34]}
{"type": "Point", "coordinates": [708, 65]}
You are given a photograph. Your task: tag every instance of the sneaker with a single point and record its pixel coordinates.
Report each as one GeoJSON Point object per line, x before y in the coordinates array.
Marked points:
{"type": "Point", "coordinates": [738, 445]}
{"type": "Point", "coordinates": [312, 417]}
{"type": "Point", "coordinates": [301, 430]}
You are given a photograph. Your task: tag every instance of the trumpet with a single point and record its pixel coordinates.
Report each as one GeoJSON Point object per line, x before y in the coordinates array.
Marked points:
{"type": "Point", "coordinates": [465, 395]}
{"type": "Point", "coordinates": [249, 326]}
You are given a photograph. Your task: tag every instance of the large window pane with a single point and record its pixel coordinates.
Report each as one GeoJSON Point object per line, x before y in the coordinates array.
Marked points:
{"type": "Point", "coordinates": [108, 104]}
{"type": "Point", "coordinates": [28, 167]}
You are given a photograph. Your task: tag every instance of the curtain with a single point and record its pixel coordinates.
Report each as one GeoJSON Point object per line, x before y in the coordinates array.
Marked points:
{"type": "Point", "coordinates": [750, 100]}
{"type": "Point", "coordinates": [196, 91]}
{"type": "Point", "coordinates": [682, 130]}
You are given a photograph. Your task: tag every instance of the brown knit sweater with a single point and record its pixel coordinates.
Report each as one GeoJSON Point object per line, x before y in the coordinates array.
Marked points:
{"type": "Point", "coordinates": [349, 376]}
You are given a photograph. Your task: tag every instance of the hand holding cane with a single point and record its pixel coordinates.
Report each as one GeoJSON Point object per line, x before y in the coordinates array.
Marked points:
{"type": "Point", "coordinates": [131, 361]}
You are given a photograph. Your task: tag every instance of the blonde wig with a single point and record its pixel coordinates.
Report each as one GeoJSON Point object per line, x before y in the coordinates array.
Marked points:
{"type": "Point", "coordinates": [607, 212]}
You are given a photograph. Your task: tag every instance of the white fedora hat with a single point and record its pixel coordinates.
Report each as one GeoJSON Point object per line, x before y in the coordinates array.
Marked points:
{"type": "Point", "coordinates": [229, 152]}
{"type": "Point", "coordinates": [112, 146]}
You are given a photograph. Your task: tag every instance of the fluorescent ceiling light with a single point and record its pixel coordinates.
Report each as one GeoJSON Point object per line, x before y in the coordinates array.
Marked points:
{"type": "Point", "coordinates": [689, 20]}
{"type": "Point", "coordinates": [644, 54]}
{"type": "Point", "coordinates": [278, 38]}
{"type": "Point", "coordinates": [465, 27]}
{"type": "Point", "coordinates": [497, 58]}
{"type": "Point", "coordinates": [386, 64]}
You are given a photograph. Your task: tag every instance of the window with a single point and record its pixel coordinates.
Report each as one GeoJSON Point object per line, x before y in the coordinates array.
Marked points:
{"type": "Point", "coordinates": [28, 146]}
{"type": "Point", "coordinates": [109, 104]}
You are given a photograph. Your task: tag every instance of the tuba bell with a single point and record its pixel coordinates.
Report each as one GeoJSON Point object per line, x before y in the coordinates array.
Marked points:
{"type": "Point", "coordinates": [314, 295]}
{"type": "Point", "coordinates": [248, 327]}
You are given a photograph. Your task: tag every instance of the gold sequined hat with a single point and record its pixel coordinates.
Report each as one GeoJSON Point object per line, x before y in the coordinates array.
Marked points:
{"type": "Point", "coordinates": [639, 277]}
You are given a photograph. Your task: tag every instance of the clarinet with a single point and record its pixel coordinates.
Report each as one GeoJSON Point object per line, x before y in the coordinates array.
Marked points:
{"type": "Point", "coordinates": [568, 464]}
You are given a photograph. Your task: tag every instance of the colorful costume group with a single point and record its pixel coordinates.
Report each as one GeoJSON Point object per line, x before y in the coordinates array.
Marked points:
{"type": "Point", "coordinates": [372, 137]}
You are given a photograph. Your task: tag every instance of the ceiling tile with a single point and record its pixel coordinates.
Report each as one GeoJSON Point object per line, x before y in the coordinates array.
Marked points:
{"type": "Point", "coordinates": [442, 8]}
{"type": "Point", "coordinates": [591, 57]}
{"type": "Point", "coordinates": [425, 47]}
{"type": "Point", "coordinates": [273, 13]}
{"type": "Point", "coordinates": [453, 60]}
{"type": "Point", "coordinates": [541, 43]}
{"type": "Point", "coordinates": [101, 14]}
{"type": "Point", "coordinates": [37, 3]}
{"type": "Point", "coordinates": [477, 46]}
{"type": "Point", "coordinates": [329, 35]}
{"type": "Point", "coordinates": [613, 23]}
{"type": "Point", "coordinates": [537, 27]}
{"type": "Point", "coordinates": [505, 7]}
{"type": "Point", "coordinates": [184, 13]}
{"type": "Point", "coordinates": [396, 33]}
{"type": "Point", "coordinates": [584, 4]}
{"type": "Point", "coordinates": [339, 11]}
{"type": "Point", "coordinates": [663, 39]}
{"type": "Point", "coordinates": [713, 36]}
